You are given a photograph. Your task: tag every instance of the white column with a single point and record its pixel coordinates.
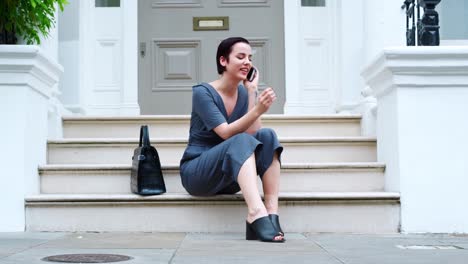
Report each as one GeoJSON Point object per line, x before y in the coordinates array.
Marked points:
{"type": "Point", "coordinates": [350, 58]}
{"type": "Point", "coordinates": [292, 63]}
{"type": "Point", "coordinates": [50, 48]}
{"type": "Point", "coordinates": [422, 95]}
{"type": "Point", "coordinates": [129, 105]}
{"type": "Point", "coordinates": [71, 55]}
{"type": "Point", "coordinates": [28, 78]}
{"type": "Point", "coordinates": [384, 25]}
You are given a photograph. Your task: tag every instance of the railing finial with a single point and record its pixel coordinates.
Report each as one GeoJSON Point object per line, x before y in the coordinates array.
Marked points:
{"type": "Point", "coordinates": [427, 27]}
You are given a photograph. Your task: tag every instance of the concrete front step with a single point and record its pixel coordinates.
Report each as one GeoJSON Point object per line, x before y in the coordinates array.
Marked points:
{"type": "Point", "coordinates": [115, 179]}
{"type": "Point", "coordinates": [178, 126]}
{"type": "Point", "coordinates": [300, 212]}
{"type": "Point", "coordinates": [297, 150]}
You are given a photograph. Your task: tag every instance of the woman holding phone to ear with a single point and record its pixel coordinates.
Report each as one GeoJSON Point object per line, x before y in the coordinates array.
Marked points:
{"type": "Point", "coordinates": [227, 147]}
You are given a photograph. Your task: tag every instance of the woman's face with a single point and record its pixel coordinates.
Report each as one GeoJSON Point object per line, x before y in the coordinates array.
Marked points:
{"type": "Point", "coordinates": [240, 61]}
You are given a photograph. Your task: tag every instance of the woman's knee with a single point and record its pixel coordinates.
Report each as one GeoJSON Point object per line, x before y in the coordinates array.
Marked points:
{"type": "Point", "coordinates": [266, 134]}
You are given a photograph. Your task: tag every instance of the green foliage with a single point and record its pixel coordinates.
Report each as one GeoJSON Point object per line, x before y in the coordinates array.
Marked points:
{"type": "Point", "coordinates": [29, 18]}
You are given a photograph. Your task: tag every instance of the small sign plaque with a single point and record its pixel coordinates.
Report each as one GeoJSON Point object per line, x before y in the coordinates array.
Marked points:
{"type": "Point", "coordinates": [210, 23]}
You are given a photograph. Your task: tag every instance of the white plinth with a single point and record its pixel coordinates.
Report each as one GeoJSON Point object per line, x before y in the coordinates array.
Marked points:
{"type": "Point", "coordinates": [27, 78]}
{"type": "Point", "coordinates": [422, 128]}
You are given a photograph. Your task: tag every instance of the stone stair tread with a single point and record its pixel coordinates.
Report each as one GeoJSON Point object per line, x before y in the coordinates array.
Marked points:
{"type": "Point", "coordinates": [297, 150]}
{"type": "Point", "coordinates": [187, 117]}
{"type": "Point", "coordinates": [178, 126]}
{"type": "Point", "coordinates": [360, 139]}
{"type": "Point", "coordinates": [286, 196]}
{"type": "Point", "coordinates": [107, 178]}
{"type": "Point", "coordinates": [331, 165]}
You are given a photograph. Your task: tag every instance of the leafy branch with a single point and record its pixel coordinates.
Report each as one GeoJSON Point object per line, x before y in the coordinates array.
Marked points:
{"type": "Point", "coordinates": [29, 18]}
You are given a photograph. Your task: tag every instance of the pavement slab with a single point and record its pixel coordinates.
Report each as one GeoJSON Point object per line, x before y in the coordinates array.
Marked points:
{"type": "Point", "coordinates": [139, 256]}
{"type": "Point", "coordinates": [363, 249]}
{"type": "Point", "coordinates": [30, 248]}
{"type": "Point", "coordinates": [233, 248]}
{"type": "Point", "coordinates": [12, 243]}
{"type": "Point", "coordinates": [118, 240]}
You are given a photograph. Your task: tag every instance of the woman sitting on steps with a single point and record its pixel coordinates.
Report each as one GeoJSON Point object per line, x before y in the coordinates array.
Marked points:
{"type": "Point", "coordinates": [227, 147]}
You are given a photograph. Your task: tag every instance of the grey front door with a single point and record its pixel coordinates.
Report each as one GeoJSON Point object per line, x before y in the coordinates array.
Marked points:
{"type": "Point", "coordinates": [173, 56]}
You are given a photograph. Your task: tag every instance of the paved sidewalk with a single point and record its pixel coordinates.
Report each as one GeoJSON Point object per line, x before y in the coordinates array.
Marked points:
{"type": "Point", "coordinates": [232, 248]}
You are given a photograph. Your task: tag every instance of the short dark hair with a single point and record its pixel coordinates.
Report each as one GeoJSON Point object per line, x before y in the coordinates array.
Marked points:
{"type": "Point", "coordinates": [225, 48]}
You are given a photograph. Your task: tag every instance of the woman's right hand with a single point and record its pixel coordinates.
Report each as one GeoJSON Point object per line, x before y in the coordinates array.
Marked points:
{"type": "Point", "coordinates": [265, 100]}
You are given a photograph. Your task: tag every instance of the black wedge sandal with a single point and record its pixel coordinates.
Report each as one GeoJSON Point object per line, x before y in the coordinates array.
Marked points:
{"type": "Point", "coordinates": [275, 221]}
{"type": "Point", "coordinates": [262, 229]}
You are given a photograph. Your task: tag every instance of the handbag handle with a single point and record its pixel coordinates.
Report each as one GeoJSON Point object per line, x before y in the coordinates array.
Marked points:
{"type": "Point", "coordinates": [144, 136]}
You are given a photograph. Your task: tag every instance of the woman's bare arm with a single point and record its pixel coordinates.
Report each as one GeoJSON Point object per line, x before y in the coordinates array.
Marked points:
{"type": "Point", "coordinates": [251, 119]}
{"type": "Point", "coordinates": [257, 124]}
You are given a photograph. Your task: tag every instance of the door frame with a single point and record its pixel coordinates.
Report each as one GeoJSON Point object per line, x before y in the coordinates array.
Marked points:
{"type": "Point", "coordinates": [259, 39]}
{"type": "Point", "coordinates": [292, 39]}
{"type": "Point", "coordinates": [126, 100]}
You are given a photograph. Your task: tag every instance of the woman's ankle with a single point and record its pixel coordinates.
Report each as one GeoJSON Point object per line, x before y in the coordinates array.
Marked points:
{"type": "Point", "coordinates": [256, 213]}
{"type": "Point", "coordinates": [271, 209]}
{"type": "Point", "coordinates": [271, 204]}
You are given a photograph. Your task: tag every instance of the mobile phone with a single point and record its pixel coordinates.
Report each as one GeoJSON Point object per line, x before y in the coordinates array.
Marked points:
{"type": "Point", "coordinates": [251, 75]}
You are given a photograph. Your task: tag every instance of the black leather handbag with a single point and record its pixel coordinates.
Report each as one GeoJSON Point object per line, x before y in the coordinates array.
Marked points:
{"type": "Point", "coordinates": [147, 177]}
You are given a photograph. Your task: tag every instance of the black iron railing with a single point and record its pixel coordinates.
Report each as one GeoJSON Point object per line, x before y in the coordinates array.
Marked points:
{"type": "Point", "coordinates": [421, 31]}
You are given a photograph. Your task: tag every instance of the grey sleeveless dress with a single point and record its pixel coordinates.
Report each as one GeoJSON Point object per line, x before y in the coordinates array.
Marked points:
{"type": "Point", "coordinates": [210, 165]}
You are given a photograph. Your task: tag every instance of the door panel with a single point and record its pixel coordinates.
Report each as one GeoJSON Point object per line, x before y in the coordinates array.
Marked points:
{"type": "Point", "coordinates": [175, 65]}
{"type": "Point", "coordinates": [176, 57]}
